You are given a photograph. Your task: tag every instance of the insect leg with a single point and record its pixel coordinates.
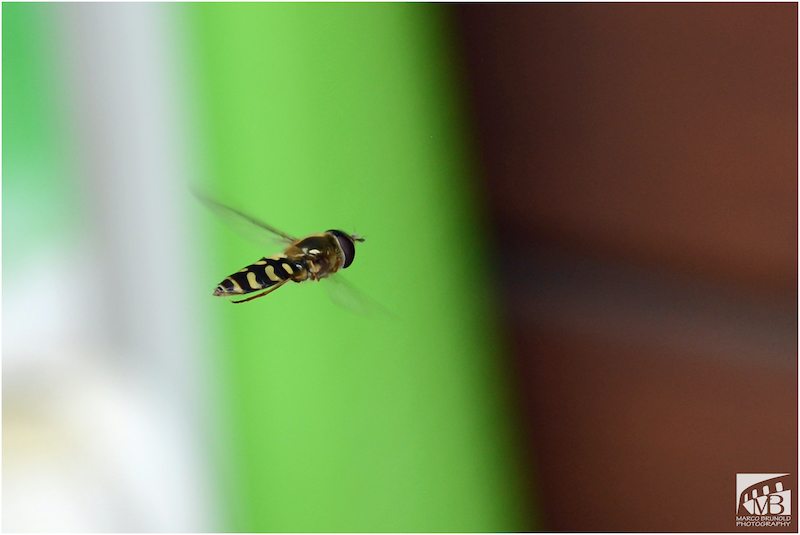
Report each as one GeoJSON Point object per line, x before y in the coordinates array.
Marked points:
{"type": "Point", "coordinates": [263, 293]}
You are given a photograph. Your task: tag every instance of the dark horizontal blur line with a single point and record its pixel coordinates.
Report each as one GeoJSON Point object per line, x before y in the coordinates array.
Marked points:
{"type": "Point", "coordinates": [623, 302]}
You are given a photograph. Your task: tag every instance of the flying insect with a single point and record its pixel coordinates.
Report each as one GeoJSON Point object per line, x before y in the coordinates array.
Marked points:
{"type": "Point", "coordinates": [312, 258]}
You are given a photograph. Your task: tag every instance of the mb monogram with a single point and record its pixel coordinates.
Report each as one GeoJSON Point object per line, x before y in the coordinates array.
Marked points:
{"type": "Point", "coordinates": [764, 500]}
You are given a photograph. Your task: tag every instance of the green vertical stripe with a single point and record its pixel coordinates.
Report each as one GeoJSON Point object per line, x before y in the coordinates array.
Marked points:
{"type": "Point", "coordinates": [347, 116]}
{"type": "Point", "coordinates": [38, 184]}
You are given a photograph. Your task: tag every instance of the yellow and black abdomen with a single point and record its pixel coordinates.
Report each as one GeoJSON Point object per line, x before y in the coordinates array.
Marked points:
{"type": "Point", "coordinates": [267, 272]}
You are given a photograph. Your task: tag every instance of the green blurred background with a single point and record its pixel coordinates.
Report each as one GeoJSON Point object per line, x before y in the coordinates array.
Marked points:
{"type": "Point", "coordinates": [132, 399]}
{"type": "Point", "coordinates": [349, 116]}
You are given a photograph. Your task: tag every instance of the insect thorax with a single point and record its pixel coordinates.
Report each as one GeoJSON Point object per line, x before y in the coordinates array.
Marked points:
{"type": "Point", "coordinates": [319, 254]}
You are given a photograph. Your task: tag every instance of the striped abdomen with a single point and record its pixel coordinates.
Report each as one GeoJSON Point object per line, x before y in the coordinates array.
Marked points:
{"type": "Point", "coordinates": [266, 272]}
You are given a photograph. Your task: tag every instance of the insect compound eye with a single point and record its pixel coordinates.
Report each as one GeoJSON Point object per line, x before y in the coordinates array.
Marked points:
{"type": "Point", "coordinates": [347, 245]}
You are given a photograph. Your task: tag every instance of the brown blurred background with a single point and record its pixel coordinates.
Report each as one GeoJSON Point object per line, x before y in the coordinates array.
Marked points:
{"type": "Point", "coordinates": [641, 168]}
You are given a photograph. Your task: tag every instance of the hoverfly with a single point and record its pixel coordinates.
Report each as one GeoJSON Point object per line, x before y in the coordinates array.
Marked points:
{"type": "Point", "coordinates": [314, 258]}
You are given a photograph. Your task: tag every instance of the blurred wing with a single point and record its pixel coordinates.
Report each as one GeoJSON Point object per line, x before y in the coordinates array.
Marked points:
{"type": "Point", "coordinates": [247, 226]}
{"type": "Point", "coordinates": [348, 297]}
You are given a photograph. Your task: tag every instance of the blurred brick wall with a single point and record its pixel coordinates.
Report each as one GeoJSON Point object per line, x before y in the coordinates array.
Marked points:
{"type": "Point", "coordinates": [665, 133]}
{"type": "Point", "coordinates": [653, 145]}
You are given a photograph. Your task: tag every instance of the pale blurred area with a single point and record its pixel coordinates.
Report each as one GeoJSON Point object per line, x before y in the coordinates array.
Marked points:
{"type": "Point", "coordinates": [104, 427]}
